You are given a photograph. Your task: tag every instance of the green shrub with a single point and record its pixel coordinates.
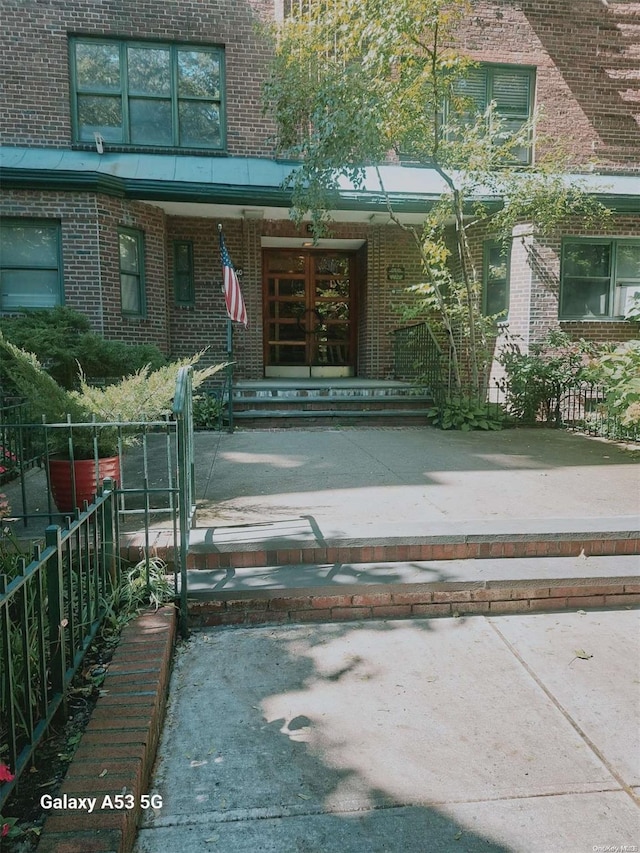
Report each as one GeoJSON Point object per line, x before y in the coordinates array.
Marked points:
{"type": "Point", "coordinates": [62, 340]}
{"type": "Point", "coordinates": [466, 414]}
{"type": "Point", "coordinates": [618, 372]}
{"type": "Point", "coordinates": [535, 382]}
{"type": "Point", "coordinates": [207, 410]}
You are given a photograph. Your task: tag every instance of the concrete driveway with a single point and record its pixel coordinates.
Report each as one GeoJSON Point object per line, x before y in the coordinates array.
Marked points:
{"type": "Point", "coordinates": [512, 733]}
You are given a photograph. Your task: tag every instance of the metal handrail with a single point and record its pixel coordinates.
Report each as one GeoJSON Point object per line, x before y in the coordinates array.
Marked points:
{"type": "Point", "coordinates": [417, 354]}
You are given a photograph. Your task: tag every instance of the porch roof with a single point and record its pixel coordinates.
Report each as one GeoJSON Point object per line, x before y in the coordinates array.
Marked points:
{"type": "Point", "coordinates": [248, 181]}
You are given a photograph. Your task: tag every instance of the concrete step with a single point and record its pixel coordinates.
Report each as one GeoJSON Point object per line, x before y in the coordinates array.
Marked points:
{"type": "Point", "coordinates": [301, 540]}
{"type": "Point", "coordinates": [279, 403]}
{"type": "Point", "coordinates": [333, 402]}
{"type": "Point", "coordinates": [396, 590]}
{"type": "Point", "coordinates": [298, 416]}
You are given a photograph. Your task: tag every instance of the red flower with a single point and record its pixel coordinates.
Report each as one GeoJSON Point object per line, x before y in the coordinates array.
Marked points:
{"type": "Point", "coordinates": [5, 830]}
{"type": "Point", "coordinates": [5, 776]}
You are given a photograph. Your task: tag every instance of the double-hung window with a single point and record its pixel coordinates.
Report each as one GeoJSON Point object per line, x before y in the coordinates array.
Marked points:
{"type": "Point", "coordinates": [148, 94]}
{"type": "Point", "coordinates": [599, 277]}
{"type": "Point", "coordinates": [495, 283]}
{"type": "Point", "coordinates": [183, 283]}
{"type": "Point", "coordinates": [509, 88]}
{"type": "Point", "coordinates": [132, 288]}
{"type": "Point", "coordinates": [30, 264]}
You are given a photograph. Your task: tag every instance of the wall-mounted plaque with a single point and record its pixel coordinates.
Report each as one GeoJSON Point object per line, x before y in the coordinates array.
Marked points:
{"type": "Point", "coordinates": [395, 272]}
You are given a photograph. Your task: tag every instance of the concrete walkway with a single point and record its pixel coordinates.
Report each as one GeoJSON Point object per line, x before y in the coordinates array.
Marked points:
{"type": "Point", "coordinates": [509, 733]}
{"type": "Point", "coordinates": [419, 477]}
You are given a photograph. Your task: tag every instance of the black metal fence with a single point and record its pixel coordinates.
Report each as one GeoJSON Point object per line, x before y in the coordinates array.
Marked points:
{"type": "Point", "coordinates": [50, 610]}
{"type": "Point", "coordinates": [53, 602]}
{"type": "Point", "coordinates": [417, 355]}
{"type": "Point", "coordinates": [584, 409]}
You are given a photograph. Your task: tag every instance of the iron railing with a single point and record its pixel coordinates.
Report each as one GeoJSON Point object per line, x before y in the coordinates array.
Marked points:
{"type": "Point", "coordinates": [50, 611]}
{"type": "Point", "coordinates": [417, 355]}
{"type": "Point", "coordinates": [52, 607]}
{"type": "Point", "coordinates": [583, 408]}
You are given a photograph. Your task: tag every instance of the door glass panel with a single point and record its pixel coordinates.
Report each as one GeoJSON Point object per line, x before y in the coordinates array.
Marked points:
{"type": "Point", "coordinates": [333, 354]}
{"type": "Point", "coordinates": [308, 311]}
{"type": "Point", "coordinates": [287, 287]}
{"type": "Point", "coordinates": [292, 310]}
{"type": "Point", "coordinates": [286, 332]}
{"type": "Point", "coordinates": [282, 354]}
{"type": "Point", "coordinates": [286, 262]}
{"type": "Point", "coordinates": [332, 310]}
{"type": "Point", "coordinates": [332, 287]}
{"type": "Point", "coordinates": [332, 265]}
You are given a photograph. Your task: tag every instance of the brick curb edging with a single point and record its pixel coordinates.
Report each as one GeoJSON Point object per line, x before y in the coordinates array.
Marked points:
{"type": "Point", "coordinates": [449, 547]}
{"type": "Point", "coordinates": [412, 600]}
{"type": "Point", "coordinates": [117, 749]}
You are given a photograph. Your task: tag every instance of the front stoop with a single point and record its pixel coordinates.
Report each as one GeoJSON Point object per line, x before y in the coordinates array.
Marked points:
{"type": "Point", "coordinates": [273, 403]}
{"type": "Point", "coordinates": [117, 750]}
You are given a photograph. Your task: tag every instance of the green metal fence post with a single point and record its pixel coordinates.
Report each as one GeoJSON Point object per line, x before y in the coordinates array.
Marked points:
{"type": "Point", "coordinates": [108, 543]}
{"type": "Point", "coordinates": [57, 650]}
{"type": "Point", "coordinates": [7, 675]}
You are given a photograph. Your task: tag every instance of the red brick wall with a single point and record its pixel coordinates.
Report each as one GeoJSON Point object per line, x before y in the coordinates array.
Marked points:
{"type": "Point", "coordinates": [587, 60]}
{"type": "Point", "coordinates": [586, 64]}
{"type": "Point", "coordinates": [90, 263]}
{"type": "Point", "coordinates": [35, 107]}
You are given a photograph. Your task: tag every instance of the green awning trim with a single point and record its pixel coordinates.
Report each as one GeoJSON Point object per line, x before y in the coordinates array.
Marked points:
{"type": "Point", "coordinates": [250, 181]}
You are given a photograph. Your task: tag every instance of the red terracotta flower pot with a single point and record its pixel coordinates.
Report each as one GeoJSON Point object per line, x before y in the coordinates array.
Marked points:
{"type": "Point", "coordinates": [63, 474]}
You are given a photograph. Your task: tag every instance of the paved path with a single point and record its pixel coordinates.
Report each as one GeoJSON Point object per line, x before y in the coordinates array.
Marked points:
{"type": "Point", "coordinates": [344, 478]}
{"type": "Point", "coordinates": [512, 733]}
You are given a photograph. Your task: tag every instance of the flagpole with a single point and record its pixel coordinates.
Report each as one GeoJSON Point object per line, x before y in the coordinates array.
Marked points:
{"type": "Point", "coordinates": [229, 370]}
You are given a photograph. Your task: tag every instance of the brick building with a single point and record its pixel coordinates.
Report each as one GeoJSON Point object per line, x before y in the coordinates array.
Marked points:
{"type": "Point", "coordinates": [131, 129]}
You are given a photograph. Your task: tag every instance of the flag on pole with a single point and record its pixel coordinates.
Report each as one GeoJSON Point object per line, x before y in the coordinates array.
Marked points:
{"type": "Point", "coordinates": [236, 310]}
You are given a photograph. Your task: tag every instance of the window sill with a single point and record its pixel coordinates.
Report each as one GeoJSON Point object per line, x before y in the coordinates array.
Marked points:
{"type": "Point", "coordinates": [122, 148]}
{"type": "Point", "coordinates": [593, 320]}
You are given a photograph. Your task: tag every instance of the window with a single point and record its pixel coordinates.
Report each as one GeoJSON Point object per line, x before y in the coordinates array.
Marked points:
{"type": "Point", "coordinates": [30, 264]}
{"type": "Point", "coordinates": [510, 88]}
{"type": "Point", "coordinates": [183, 287]}
{"type": "Point", "coordinates": [599, 278]}
{"type": "Point", "coordinates": [131, 248]}
{"type": "Point", "coordinates": [495, 281]}
{"type": "Point", "coordinates": [148, 94]}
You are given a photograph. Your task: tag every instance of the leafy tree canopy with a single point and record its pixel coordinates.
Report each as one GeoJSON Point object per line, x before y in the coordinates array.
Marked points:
{"type": "Point", "coordinates": [357, 83]}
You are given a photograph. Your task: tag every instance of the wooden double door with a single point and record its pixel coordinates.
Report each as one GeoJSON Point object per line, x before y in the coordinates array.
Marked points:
{"type": "Point", "coordinates": [310, 317]}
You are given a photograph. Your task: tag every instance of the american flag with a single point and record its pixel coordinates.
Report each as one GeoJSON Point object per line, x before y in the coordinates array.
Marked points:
{"type": "Point", "coordinates": [232, 293]}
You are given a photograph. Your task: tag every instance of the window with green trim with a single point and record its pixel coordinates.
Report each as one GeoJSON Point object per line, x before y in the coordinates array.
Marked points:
{"type": "Point", "coordinates": [148, 94]}
{"type": "Point", "coordinates": [132, 286]}
{"type": "Point", "coordinates": [510, 88]}
{"type": "Point", "coordinates": [599, 277]}
{"type": "Point", "coordinates": [30, 264]}
{"type": "Point", "coordinates": [183, 284]}
{"type": "Point", "coordinates": [495, 280]}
